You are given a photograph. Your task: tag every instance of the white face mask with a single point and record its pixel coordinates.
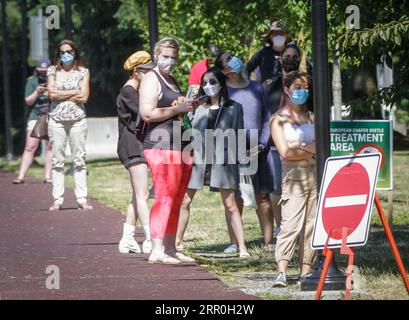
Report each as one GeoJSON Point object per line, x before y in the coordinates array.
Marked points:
{"type": "Point", "coordinates": [278, 41]}
{"type": "Point", "coordinates": [167, 65]}
{"type": "Point", "coordinates": [212, 90]}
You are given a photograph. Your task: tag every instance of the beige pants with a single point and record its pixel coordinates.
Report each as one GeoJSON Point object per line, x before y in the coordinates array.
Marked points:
{"type": "Point", "coordinates": [298, 205]}
{"type": "Point", "coordinates": [75, 132]}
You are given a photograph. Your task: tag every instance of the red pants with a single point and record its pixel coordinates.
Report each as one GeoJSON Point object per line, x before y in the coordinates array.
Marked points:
{"type": "Point", "coordinates": [171, 171]}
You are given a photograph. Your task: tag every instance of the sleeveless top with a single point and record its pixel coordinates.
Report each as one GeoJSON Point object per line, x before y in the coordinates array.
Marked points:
{"type": "Point", "coordinates": [160, 135]}
{"type": "Point", "coordinates": [304, 132]}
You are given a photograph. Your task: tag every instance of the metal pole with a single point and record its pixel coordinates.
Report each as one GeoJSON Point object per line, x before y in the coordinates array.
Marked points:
{"type": "Point", "coordinates": [335, 280]}
{"type": "Point", "coordinates": [6, 84]}
{"type": "Point", "coordinates": [321, 84]}
{"type": "Point", "coordinates": [68, 23]}
{"type": "Point", "coordinates": [153, 24]}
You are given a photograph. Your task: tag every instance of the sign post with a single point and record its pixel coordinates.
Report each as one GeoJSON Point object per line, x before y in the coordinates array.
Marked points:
{"type": "Point", "coordinates": [346, 198]}
{"type": "Point", "coordinates": [38, 37]}
{"type": "Point", "coordinates": [344, 212]}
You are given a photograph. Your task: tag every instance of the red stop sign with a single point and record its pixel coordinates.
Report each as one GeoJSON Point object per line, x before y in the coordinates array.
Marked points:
{"type": "Point", "coordinates": [346, 200]}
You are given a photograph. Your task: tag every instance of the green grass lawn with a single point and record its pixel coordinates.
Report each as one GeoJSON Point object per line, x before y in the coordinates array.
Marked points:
{"type": "Point", "coordinates": [206, 236]}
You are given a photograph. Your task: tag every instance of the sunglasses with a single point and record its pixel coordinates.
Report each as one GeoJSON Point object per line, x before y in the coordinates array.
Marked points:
{"type": "Point", "coordinates": [211, 81]}
{"type": "Point", "coordinates": [68, 51]}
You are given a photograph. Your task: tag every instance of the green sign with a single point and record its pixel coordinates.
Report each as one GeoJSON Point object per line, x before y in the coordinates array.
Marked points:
{"type": "Point", "coordinates": [365, 136]}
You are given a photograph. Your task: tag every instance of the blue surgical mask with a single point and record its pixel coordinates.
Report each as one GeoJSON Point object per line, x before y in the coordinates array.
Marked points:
{"type": "Point", "coordinates": [67, 58]}
{"type": "Point", "coordinates": [299, 96]}
{"type": "Point", "coordinates": [235, 64]}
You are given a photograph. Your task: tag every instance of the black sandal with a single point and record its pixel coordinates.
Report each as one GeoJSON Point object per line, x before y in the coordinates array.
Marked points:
{"type": "Point", "coordinates": [18, 181]}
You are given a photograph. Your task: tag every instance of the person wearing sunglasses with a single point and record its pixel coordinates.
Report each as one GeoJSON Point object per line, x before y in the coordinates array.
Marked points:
{"type": "Point", "coordinates": [217, 115]}
{"type": "Point", "coordinates": [68, 88]}
{"type": "Point", "coordinates": [251, 96]}
{"type": "Point", "coordinates": [130, 151]}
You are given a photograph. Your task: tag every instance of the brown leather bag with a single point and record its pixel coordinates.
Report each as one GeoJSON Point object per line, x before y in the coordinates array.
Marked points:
{"type": "Point", "coordinates": [40, 130]}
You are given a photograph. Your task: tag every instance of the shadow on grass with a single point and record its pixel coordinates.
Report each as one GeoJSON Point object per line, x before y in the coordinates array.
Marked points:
{"type": "Point", "coordinates": [375, 256]}
{"type": "Point", "coordinates": [213, 256]}
{"type": "Point", "coordinates": [219, 247]}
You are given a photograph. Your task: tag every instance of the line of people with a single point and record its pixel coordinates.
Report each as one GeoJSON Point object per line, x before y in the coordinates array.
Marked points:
{"type": "Point", "coordinates": [270, 96]}
{"type": "Point", "coordinates": [151, 105]}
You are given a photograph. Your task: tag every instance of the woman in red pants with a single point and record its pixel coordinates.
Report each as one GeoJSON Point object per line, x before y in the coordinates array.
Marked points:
{"type": "Point", "coordinates": [161, 102]}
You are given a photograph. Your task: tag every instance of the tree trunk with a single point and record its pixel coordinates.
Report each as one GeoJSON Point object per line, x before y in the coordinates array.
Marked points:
{"type": "Point", "coordinates": [6, 83]}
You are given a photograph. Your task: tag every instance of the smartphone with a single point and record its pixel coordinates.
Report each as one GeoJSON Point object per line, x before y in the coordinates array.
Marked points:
{"type": "Point", "coordinates": [200, 99]}
{"type": "Point", "coordinates": [192, 91]}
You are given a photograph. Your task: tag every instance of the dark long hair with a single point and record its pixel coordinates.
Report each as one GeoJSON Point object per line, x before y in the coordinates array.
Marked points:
{"type": "Point", "coordinates": [224, 99]}
{"type": "Point", "coordinates": [222, 60]}
{"type": "Point", "coordinates": [78, 62]}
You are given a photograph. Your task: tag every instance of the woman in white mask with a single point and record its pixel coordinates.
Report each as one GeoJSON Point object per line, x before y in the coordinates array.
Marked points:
{"type": "Point", "coordinates": [161, 103]}
{"type": "Point", "coordinates": [218, 169]}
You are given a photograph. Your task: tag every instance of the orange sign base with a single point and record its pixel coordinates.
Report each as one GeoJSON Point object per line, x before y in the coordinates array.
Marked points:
{"type": "Point", "coordinates": [345, 250]}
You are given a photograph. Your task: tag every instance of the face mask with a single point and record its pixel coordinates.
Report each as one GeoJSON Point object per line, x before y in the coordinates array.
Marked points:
{"type": "Point", "coordinates": [235, 64]}
{"type": "Point", "coordinates": [167, 65]}
{"type": "Point", "coordinates": [212, 90]}
{"type": "Point", "coordinates": [279, 40]}
{"type": "Point", "coordinates": [290, 63]}
{"type": "Point", "coordinates": [67, 58]}
{"type": "Point", "coordinates": [299, 96]}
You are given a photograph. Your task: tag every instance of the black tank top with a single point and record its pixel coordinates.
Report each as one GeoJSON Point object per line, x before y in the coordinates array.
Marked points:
{"type": "Point", "coordinates": [159, 135]}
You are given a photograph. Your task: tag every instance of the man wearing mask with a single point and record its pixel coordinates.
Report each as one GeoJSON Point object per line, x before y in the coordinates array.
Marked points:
{"type": "Point", "coordinates": [256, 114]}
{"type": "Point", "coordinates": [267, 60]}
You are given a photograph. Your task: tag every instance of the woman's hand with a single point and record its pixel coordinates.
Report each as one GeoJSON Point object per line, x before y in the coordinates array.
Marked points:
{"type": "Point", "coordinates": [182, 105]}
{"type": "Point", "coordinates": [41, 89]}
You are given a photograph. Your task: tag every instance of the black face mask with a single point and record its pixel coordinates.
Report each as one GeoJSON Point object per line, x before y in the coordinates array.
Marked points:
{"type": "Point", "coordinates": [290, 63]}
{"type": "Point", "coordinates": [42, 74]}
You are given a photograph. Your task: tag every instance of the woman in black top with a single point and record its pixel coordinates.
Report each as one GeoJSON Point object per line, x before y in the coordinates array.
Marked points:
{"type": "Point", "coordinates": [169, 162]}
{"type": "Point", "coordinates": [130, 151]}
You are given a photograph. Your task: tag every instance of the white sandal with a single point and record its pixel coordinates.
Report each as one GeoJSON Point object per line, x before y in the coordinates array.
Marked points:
{"type": "Point", "coordinates": [165, 259]}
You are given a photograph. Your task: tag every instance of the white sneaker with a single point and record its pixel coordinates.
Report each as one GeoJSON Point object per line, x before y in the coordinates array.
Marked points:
{"type": "Point", "coordinates": [231, 249]}
{"type": "Point", "coordinates": [147, 246]}
{"type": "Point", "coordinates": [128, 243]}
{"type": "Point", "coordinates": [128, 246]}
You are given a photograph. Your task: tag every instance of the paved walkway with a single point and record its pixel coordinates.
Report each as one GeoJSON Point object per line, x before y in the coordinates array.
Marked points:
{"type": "Point", "coordinates": [83, 245]}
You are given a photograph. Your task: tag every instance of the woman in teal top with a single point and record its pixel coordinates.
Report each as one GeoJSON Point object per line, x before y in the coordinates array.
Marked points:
{"type": "Point", "coordinates": [36, 98]}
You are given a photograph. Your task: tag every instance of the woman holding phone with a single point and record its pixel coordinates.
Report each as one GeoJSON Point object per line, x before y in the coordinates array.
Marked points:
{"type": "Point", "coordinates": [220, 113]}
